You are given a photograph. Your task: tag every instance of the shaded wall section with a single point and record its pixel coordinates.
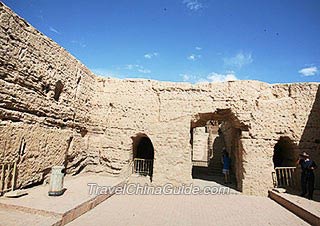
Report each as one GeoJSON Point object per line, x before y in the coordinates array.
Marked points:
{"type": "Point", "coordinates": [310, 139]}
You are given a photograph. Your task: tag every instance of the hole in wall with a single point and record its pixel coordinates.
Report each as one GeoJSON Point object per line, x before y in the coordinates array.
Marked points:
{"type": "Point", "coordinates": [58, 90]}
{"type": "Point", "coordinates": [45, 88]}
{"type": "Point", "coordinates": [78, 81]}
{"type": "Point", "coordinates": [83, 132]}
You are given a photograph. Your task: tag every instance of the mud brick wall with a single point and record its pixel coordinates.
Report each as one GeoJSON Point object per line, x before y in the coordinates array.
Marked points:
{"type": "Point", "coordinates": [53, 110]}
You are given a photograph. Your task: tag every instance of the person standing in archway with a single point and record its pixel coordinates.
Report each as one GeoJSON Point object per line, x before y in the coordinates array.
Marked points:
{"type": "Point", "coordinates": [307, 174]}
{"type": "Point", "coordinates": [226, 161]}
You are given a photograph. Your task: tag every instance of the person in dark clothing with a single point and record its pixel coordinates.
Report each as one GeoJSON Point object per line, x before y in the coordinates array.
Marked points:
{"type": "Point", "coordinates": [226, 161]}
{"type": "Point", "coordinates": [307, 174]}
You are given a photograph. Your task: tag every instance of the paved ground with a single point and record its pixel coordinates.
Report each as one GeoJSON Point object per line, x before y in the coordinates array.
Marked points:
{"type": "Point", "coordinates": [28, 210]}
{"type": "Point", "coordinates": [232, 209]}
{"type": "Point", "coordinates": [188, 210]}
{"type": "Point", "coordinates": [204, 183]}
{"type": "Point", "coordinates": [10, 217]}
{"type": "Point", "coordinates": [77, 192]}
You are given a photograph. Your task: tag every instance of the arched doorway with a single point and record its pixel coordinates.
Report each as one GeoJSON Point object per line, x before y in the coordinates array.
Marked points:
{"type": "Point", "coordinates": [210, 134]}
{"type": "Point", "coordinates": [284, 154]}
{"type": "Point", "coordinates": [284, 161]}
{"type": "Point", "coordinates": [143, 155]}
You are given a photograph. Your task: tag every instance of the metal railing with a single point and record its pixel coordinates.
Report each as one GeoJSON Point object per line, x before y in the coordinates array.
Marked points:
{"type": "Point", "coordinates": [143, 166]}
{"type": "Point", "coordinates": [284, 177]}
{"type": "Point", "coordinates": [8, 172]}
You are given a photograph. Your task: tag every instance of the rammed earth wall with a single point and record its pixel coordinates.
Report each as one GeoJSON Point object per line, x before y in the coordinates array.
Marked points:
{"type": "Point", "coordinates": [53, 110]}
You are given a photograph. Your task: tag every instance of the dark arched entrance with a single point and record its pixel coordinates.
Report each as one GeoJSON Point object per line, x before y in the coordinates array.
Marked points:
{"type": "Point", "coordinates": [284, 154]}
{"type": "Point", "coordinates": [143, 155]}
{"type": "Point", "coordinates": [284, 161]}
{"type": "Point", "coordinates": [145, 149]}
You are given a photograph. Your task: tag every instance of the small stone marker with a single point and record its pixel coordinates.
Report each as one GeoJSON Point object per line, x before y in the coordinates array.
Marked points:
{"type": "Point", "coordinates": [15, 194]}
{"type": "Point", "coordinates": [56, 181]}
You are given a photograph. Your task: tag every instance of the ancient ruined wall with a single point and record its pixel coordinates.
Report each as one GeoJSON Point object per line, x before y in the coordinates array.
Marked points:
{"type": "Point", "coordinates": [34, 117]}
{"type": "Point", "coordinates": [164, 111]}
{"type": "Point", "coordinates": [91, 125]}
{"type": "Point", "coordinates": [288, 111]}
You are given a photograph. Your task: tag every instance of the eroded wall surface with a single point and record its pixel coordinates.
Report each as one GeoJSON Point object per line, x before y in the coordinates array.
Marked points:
{"type": "Point", "coordinates": [164, 110]}
{"type": "Point", "coordinates": [90, 127]}
{"type": "Point", "coordinates": [31, 64]}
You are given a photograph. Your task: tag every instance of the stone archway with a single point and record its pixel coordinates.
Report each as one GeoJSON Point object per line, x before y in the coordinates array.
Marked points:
{"type": "Point", "coordinates": [284, 160]}
{"type": "Point", "coordinates": [143, 155]}
{"type": "Point", "coordinates": [284, 153]}
{"type": "Point", "coordinates": [220, 129]}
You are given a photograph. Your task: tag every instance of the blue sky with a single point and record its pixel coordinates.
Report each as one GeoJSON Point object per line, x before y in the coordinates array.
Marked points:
{"type": "Point", "coordinates": [274, 41]}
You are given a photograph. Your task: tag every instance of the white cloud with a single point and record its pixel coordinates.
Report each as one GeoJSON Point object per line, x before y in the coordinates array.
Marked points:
{"type": "Point", "coordinates": [103, 72]}
{"type": "Point", "coordinates": [198, 48]}
{"type": "Point", "coordinates": [309, 71]}
{"type": "Point", "coordinates": [193, 57]}
{"type": "Point", "coordinates": [185, 77]}
{"type": "Point", "coordinates": [212, 77]}
{"type": "Point", "coordinates": [129, 70]}
{"type": "Point", "coordinates": [193, 5]}
{"type": "Point", "coordinates": [150, 55]}
{"type": "Point", "coordinates": [54, 30]}
{"type": "Point", "coordinates": [239, 60]}
{"type": "Point", "coordinates": [129, 66]}
{"type": "Point", "coordinates": [83, 45]}
{"type": "Point", "coordinates": [138, 68]}
{"type": "Point", "coordinates": [190, 77]}
{"type": "Point", "coordinates": [216, 77]}
{"type": "Point", "coordinates": [144, 71]}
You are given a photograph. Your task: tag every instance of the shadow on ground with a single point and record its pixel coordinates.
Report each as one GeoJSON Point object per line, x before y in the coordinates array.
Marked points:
{"type": "Point", "coordinates": [202, 173]}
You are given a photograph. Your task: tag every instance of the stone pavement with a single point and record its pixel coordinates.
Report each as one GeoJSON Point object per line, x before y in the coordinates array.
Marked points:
{"type": "Point", "coordinates": [188, 210]}
{"type": "Point", "coordinates": [216, 183]}
{"type": "Point", "coordinates": [14, 217]}
{"type": "Point", "coordinates": [37, 208]}
{"type": "Point", "coordinates": [229, 209]}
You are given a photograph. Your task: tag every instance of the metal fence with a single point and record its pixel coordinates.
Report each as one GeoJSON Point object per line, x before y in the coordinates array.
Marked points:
{"type": "Point", "coordinates": [284, 177]}
{"type": "Point", "coordinates": [143, 166]}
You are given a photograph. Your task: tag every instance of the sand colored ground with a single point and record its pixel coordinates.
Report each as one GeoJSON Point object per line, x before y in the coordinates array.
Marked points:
{"type": "Point", "coordinates": [188, 210]}
{"type": "Point", "coordinates": [37, 208]}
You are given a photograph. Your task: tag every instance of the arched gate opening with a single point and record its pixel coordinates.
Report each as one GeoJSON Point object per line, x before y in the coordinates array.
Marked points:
{"type": "Point", "coordinates": [284, 161]}
{"type": "Point", "coordinates": [212, 135]}
{"type": "Point", "coordinates": [143, 155]}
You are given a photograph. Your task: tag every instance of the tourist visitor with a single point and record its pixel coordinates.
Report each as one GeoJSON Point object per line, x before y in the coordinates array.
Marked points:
{"type": "Point", "coordinates": [226, 166]}
{"type": "Point", "coordinates": [307, 174]}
